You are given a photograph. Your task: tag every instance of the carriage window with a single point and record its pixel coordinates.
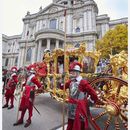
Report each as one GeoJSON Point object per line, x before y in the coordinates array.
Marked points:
{"type": "Point", "coordinates": [60, 66]}
{"type": "Point", "coordinates": [29, 53]}
{"type": "Point", "coordinates": [88, 65]}
{"type": "Point", "coordinates": [53, 24]}
{"type": "Point", "coordinates": [73, 59]}
{"type": "Point", "coordinates": [51, 67]}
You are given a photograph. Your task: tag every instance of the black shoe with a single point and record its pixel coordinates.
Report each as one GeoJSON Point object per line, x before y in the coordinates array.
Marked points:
{"type": "Point", "coordinates": [10, 107]}
{"type": "Point", "coordinates": [5, 106]}
{"type": "Point", "coordinates": [27, 123]}
{"type": "Point", "coordinates": [19, 122]}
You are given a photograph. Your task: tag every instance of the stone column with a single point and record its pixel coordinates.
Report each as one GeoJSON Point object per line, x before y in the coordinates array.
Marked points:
{"type": "Point", "coordinates": [35, 51]}
{"type": "Point", "coordinates": [34, 54]}
{"type": "Point", "coordinates": [94, 21]}
{"type": "Point", "coordinates": [107, 26]}
{"type": "Point", "coordinates": [48, 43]}
{"type": "Point", "coordinates": [22, 58]}
{"type": "Point", "coordinates": [24, 54]}
{"type": "Point", "coordinates": [104, 28]}
{"type": "Point", "coordinates": [81, 25]}
{"type": "Point", "coordinates": [74, 25]}
{"type": "Point", "coordinates": [69, 24]}
{"type": "Point", "coordinates": [85, 21]}
{"type": "Point", "coordinates": [39, 50]}
{"type": "Point", "coordinates": [40, 24]}
{"type": "Point", "coordinates": [69, 3]}
{"type": "Point", "coordinates": [57, 43]}
{"type": "Point", "coordinates": [90, 20]}
{"type": "Point", "coordinates": [3, 61]}
{"type": "Point", "coordinates": [27, 29]}
{"type": "Point", "coordinates": [19, 58]}
{"type": "Point", "coordinates": [12, 62]}
{"type": "Point", "coordinates": [9, 63]}
{"type": "Point", "coordinates": [36, 26]}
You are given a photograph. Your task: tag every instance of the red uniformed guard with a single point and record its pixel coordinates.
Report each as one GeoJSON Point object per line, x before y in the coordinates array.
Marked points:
{"type": "Point", "coordinates": [10, 88]}
{"type": "Point", "coordinates": [78, 108]}
{"type": "Point", "coordinates": [28, 96]}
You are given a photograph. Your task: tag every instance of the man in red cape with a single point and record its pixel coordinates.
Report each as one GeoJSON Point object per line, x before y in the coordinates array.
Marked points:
{"type": "Point", "coordinates": [78, 108]}
{"type": "Point", "coordinates": [28, 96]}
{"type": "Point", "coordinates": [10, 88]}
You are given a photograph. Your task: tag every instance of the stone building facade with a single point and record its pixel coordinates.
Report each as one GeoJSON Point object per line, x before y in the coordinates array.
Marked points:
{"type": "Point", "coordinates": [46, 28]}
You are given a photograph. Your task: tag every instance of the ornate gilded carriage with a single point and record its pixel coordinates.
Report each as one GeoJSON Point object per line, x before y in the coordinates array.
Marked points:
{"type": "Point", "coordinates": [111, 84]}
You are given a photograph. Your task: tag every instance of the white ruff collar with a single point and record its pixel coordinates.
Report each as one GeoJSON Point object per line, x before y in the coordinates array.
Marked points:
{"type": "Point", "coordinates": [79, 78]}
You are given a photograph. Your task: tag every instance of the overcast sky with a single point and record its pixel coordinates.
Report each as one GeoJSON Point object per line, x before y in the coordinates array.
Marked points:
{"type": "Point", "coordinates": [13, 11]}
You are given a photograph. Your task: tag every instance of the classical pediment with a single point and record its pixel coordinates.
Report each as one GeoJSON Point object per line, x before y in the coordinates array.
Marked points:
{"type": "Point", "coordinates": [52, 8]}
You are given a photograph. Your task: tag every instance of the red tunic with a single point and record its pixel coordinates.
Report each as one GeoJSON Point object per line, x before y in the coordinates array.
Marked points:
{"type": "Point", "coordinates": [82, 105]}
{"type": "Point", "coordinates": [25, 100]}
{"type": "Point", "coordinates": [84, 86]}
{"type": "Point", "coordinates": [11, 85]}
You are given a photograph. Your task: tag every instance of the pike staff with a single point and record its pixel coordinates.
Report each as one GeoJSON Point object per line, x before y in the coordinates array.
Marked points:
{"type": "Point", "coordinates": [64, 72]}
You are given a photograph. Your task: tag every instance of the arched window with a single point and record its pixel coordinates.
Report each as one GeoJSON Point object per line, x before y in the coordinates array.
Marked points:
{"type": "Point", "coordinates": [77, 29]}
{"type": "Point", "coordinates": [29, 53]}
{"type": "Point", "coordinates": [16, 61]}
{"type": "Point", "coordinates": [53, 24]}
{"type": "Point", "coordinates": [6, 62]}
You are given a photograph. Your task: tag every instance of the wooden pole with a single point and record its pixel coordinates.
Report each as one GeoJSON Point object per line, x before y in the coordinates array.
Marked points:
{"type": "Point", "coordinates": [64, 71]}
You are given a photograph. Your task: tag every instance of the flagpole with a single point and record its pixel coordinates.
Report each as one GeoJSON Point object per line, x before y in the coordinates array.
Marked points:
{"type": "Point", "coordinates": [64, 70]}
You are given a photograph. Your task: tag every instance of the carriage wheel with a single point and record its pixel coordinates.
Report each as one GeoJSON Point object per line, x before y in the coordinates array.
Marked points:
{"type": "Point", "coordinates": [112, 110]}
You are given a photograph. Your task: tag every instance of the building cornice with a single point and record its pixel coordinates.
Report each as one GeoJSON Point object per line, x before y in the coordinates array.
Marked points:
{"type": "Point", "coordinates": [119, 21]}
{"type": "Point", "coordinates": [5, 37]}
{"type": "Point", "coordinates": [49, 33]}
{"type": "Point", "coordinates": [101, 19]}
{"type": "Point", "coordinates": [26, 41]}
{"type": "Point", "coordinates": [10, 54]}
{"type": "Point", "coordinates": [83, 34]}
{"type": "Point", "coordinates": [58, 34]}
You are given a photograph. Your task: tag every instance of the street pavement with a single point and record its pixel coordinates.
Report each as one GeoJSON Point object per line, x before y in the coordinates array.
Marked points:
{"type": "Point", "coordinates": [50, 118]}
{"type": "Point", "coordinates": [51, 115]}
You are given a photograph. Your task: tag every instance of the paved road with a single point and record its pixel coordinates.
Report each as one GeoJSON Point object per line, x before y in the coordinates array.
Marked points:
{"type": "Point", "coordinates": [51, 116]}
